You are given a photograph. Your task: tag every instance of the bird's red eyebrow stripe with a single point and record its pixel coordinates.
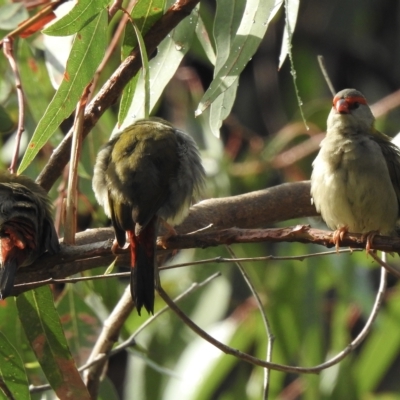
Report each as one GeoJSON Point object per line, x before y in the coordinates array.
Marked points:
{"type": "Point", "coordinates": [351, 99]}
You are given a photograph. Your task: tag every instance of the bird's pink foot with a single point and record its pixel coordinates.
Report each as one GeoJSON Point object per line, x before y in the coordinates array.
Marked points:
{"type": "Point", "coordinates": [338, 236]}
{"type": "Point", "coordinates": [116, 249]}
{"type": "Point", "coordinates": [169, 231]}
{"type": "Point", "coordinates": [369, 237]}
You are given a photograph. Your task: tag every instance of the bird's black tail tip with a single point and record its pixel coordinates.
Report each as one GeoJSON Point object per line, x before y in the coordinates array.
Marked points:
{"type": "Point", "coordinates": [7, 275]}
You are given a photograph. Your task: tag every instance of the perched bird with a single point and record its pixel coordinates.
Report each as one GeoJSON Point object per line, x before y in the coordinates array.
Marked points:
{"type": "Point", "coordinates": [149, 171]}
{"type": "Point", "coordinates": [355, 183]}
{"type": "Point", "coordinates": [26, 227]}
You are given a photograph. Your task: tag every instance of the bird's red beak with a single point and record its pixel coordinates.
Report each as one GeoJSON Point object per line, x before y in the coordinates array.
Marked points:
{"type": "Point", "coordinates": [342, 106]}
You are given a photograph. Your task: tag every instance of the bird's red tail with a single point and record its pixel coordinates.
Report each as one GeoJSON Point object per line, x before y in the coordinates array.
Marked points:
{"type": "Point", "coordinates": [10, 256]}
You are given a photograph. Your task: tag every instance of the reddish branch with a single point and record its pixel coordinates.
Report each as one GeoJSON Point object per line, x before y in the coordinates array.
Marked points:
{"type": "Point", "coordinates": [9, 53]}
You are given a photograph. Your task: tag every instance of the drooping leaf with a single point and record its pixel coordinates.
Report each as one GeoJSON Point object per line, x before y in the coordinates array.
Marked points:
{"type": "Point", "coordinates": [80, 15]}
{"type": "Point", "coordinates": [86, 54]}
{"type": "Point", "coordinates": [12, 371]}
{"type": "Point", "coordinates": [144, 14]}
{"type": "Point", "coordinates": [35, 80]}
{"type": "Point", "coordinates": [222, 107]}
{"type": "Point", "coordinates": [10, 326]}
{"type": "Point", "coordinates": [204, 33]}
{"type": "Point", "coordinates": [292, 10]}
{"type": "Point", "coordinates": [163, 66]}
{"type": "Point", "coordinates": [43, 329]}
{"type": "Point", "coordinates": [227, 21]}
{"type": "Point", "coordinates": [80, 324]}
{"type": "Point", "coordinates": [256, 17]}
{"type": "Point", "coordinates": [145, 72]}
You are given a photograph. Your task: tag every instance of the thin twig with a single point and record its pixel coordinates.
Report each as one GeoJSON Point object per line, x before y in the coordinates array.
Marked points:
{"type": "Point", "coordinates": [218, 260]}
{"type": "Point", "coordinates": [366, 329]}
{"type": "Point", "coordinates": [382, 262]}
{"type": "Point", "coordinates": [97, 249]}
{"type": "Point", "coordinates": [131, 341]}
{"type": "Point", "coordinates": [280, 367]}
{"type": "Point", "coordinates": [215, 260]}
{"type": "Point", "coordinates": [386, 104]}
{"type": "Point", "coordinates": [72, 191]}
{"type": "Point", "coordinates": [111, 47]}
{"type": "Point", "coordinates": [223, 347]}
{"type": "Point", "coordinates": [265, 320]}
{"type": "Point", "coordinates": [108, 336]}
{"type": "Point", "coordinates": [9, 53]}
{"type": "Point", "coordinates": [39, 16]}
{"type": "Point", "coordinates": [321, 62]}
{"type": "Point", "coordinates": [74, 280]}
{"type": "Point", "coordinates": [6, 391]}
{"type": "Point", "coordinates": [115, 6]}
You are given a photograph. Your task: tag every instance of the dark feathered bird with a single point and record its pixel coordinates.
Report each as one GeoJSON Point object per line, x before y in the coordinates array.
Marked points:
{"type": "Point", "coordinates": [26, 227]}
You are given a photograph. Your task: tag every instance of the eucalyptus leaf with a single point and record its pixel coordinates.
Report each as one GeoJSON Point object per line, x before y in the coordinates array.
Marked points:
{"type": "Point", "coordinates": [80, 15]}
{"type": "Point", "coordinates": [162, 67]}
{"type": "Point", "coordinates": [12, 371]}
{"type": "Point", "coordinates": [43, 329]}
{"type": "Point", "coordinates": [292, 10]}
{"type": "Point", "coordinates": [253, 25]}
{"type": "Point", "coordinates": [86, 54]}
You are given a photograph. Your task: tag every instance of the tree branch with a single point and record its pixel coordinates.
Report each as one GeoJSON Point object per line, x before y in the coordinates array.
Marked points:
{"type": "Point", "coordinates": [250, 210]}
{"type": "Point", "coordinates": [113, 88]}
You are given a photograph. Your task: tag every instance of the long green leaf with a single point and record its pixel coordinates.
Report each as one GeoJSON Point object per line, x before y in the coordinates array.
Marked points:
{"type": "Point", "coordinates": [256, 17]}
{"type": "Point", "coordinates": [203, 33]}
{"type": "Point", "coordinates": [221, 107]}
{"type": "Point", "coordinates": [12, 371]}
{"type": "Point", "coordinates": [227, 21]}
{"type": "Point", "coordinates": [292, 10]}
{"type": "Point", "coordinates": [381, 349]}
{"type": "Point", "coordinates": [86, 54]}
{"type": "Point", "coordinates": [145, 71]}
{"type": "Point", "coordinates": [83, 12]}
{"type": "Point", "coordinates": [35, 80]}
{"type": "Point", "coordinates": [80, 323]}
{"type": "Point", "coordinates": [10, 326]}
{"type": "Point", "coordinates": [43, 329]}
{"type": "Point", "coordinates": [144, 14]}
{"type": "Point", "coordinates": [163, 66]}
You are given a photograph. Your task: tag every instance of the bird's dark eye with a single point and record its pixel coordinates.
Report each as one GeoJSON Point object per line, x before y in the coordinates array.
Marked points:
{"type": "Point", "coordinates": [353, 105]}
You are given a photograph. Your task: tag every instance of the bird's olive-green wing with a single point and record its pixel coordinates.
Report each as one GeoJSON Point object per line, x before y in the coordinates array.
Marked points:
{"type": "Point", "coordinates": [121, 218]}
{"type": "Point", "coordinates": [392, 156]}
{"type": "Point", "coordinates": [145, 160]}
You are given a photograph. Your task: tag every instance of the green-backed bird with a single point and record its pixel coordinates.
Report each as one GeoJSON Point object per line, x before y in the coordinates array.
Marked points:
{"type": "Point", "coordinates": [26, 227]}
{"type": "Point", "coordinates": [149, 171]}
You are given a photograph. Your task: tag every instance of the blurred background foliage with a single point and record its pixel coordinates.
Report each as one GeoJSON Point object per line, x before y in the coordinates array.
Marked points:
{"type": "Point", "coordinates": [315, 306]}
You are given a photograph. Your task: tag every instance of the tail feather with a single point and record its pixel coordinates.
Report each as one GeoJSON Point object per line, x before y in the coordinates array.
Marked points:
{"type": "Point", "coordinates": [142, 267]}
{"type": "Point", "coordinates": [8, 268]}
